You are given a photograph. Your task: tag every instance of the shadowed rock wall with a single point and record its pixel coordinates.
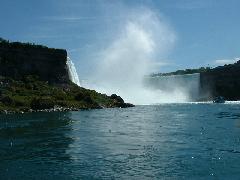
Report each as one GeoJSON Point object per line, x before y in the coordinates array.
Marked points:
{"type": "Point", "coordinates": [18, 60]}
{"type": "Point", "coordinates": [221, 81]}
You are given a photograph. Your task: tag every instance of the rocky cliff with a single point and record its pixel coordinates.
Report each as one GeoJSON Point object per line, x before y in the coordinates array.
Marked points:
{"type": "Point", "coordinates": [221, 81]}
{"type": "Point", "coordinates": [35, 78]}
{"type": "Point", "coordinates": [18, 60]}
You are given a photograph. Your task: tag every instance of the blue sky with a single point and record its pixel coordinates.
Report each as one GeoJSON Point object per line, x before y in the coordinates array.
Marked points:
{"type": "Point", "coordinates": [207, 31]}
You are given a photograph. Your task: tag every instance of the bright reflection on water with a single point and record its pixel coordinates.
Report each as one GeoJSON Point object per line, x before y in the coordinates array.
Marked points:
{"type": "Point", "coordinates": [171, 141]}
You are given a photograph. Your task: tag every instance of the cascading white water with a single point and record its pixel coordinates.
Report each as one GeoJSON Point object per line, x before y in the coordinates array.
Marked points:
{"type": "Point", "coordinates": [187, 83]}
{"type": "Point", "coordinates": [72, 72]}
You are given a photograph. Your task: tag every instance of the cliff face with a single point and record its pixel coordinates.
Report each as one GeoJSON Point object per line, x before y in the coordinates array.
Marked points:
{"type": "Point", "coordinates": [18, 60]}
{"type": "Point", "coordinates": [221, 81]}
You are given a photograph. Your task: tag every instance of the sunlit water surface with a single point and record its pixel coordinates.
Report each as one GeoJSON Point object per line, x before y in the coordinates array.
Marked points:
{"type": "Point", "coordinates": [171, 141]}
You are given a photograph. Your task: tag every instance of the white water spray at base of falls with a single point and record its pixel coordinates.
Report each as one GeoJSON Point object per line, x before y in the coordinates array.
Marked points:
{"type": "Point", "coordinates": [72, 72]}
{"type": "Point", "coordinates": [138, 48]}
{"type": "Point", "coordinates": [135, 52]}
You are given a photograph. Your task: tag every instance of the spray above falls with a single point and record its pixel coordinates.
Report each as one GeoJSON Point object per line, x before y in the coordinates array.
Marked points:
{"type": "Point", "coordinates": [136, 51]}
{"type": "Point", "coordinates": [72, 72]}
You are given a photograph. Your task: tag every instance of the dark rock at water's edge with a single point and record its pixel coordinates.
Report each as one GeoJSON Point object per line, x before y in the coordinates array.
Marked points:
{"type": "Point", "coordinates": [119, 102]}
{"type": "Point", "coordinates": [221, 81]}
{"type": "Point", "coordinates": [35, 78]}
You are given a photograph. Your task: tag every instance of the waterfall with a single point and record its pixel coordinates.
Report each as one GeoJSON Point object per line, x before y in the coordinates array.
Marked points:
{"type": "Point", "coordinates": [187, 83]}
{"type": "Point", "coordinates": [72, 72]}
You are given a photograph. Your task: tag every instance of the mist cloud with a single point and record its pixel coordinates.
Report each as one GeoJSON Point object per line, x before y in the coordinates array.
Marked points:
{"type": "Point", "coordinates": [142, 40]}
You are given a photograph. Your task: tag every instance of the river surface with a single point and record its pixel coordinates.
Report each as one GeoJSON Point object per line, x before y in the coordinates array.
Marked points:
{"type": "Point", "coordinates": [171, 141]}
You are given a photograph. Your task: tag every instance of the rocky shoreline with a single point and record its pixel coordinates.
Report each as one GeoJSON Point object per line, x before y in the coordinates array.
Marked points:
{"type": "Point", "coordinates": [37, 96]}
{"type": "Point", "coordinates": [31, 95]}
{"type": "Point", "coordinates": [59, 109]}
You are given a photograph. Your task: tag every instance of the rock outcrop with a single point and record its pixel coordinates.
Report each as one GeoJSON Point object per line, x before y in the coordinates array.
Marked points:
{"type": "Point", "coordinates": [119, 102]}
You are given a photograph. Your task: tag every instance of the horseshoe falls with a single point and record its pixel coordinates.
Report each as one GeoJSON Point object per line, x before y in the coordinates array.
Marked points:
{"type": "Point", "coordinates": [189, 84]}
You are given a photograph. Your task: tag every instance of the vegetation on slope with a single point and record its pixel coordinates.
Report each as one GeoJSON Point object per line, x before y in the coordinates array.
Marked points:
{"type": "Point", "coordinates": [30, 95]}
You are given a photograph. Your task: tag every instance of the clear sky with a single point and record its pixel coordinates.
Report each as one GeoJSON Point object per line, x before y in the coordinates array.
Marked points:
{"type": "Point", "coordinates": [206, 31]}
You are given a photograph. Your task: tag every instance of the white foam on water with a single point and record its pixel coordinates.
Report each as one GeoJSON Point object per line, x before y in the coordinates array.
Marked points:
{"type": "Point", "coordinates": [232, 102]}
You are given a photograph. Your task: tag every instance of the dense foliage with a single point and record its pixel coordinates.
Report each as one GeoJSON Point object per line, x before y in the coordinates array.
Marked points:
{"type": "Point", "coordinates": [31, 94]}
{"type": "Point", "coordinates": [7, 43]}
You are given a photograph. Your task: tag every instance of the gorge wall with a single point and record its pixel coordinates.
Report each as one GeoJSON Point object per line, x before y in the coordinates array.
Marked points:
{"type": "Point", "coordinates": [18, 60]}
{"type": "Point", "coordinates": [221, 81]}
